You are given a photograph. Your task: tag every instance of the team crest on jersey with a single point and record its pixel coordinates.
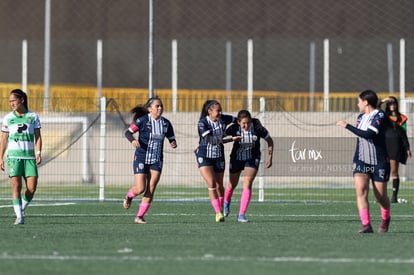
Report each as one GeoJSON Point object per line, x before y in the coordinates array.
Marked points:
{"type": "Point", "coordinates": [141, 166]}
{"type": "Point", "coordinates": [149, 126]}
{"type": "Point", "coordinates": [200, 160]}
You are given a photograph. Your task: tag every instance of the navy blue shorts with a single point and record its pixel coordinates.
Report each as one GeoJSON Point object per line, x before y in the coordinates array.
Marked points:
{"type": "Point", "coordinates": [141, 168]}
{"type": "Point", "coordinates": [239, 165]}
{"type": "Point", "coordinates": [217, 163]}
{"type": "Point", "coordinates": [379, 172]}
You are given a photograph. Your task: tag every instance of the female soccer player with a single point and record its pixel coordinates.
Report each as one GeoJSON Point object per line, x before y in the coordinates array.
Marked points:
{"type": "Point", "coordinates": [398, 146]}
{"type": "Point", "coordinates": [370, 160]}
{"type": "Point", "coordinates": [245, 155]}
{"type": "Point", "coordinates": [23, 141]}
{"type": "Point", "coordinates": [210, 152]}
{"type": "Point", "coordinates": [148, 160]}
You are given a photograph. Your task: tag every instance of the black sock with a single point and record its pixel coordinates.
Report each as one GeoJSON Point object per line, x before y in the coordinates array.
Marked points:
{"type": "Point", "coordinates": [395, 187]}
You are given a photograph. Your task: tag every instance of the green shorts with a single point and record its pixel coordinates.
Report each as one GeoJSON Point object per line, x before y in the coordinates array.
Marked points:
{"type": "Point", "coordinates": [21, 167]}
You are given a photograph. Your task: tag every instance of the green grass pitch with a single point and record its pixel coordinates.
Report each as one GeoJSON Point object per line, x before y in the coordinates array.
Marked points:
{"type": "Point", "coordinates": [183, 238]}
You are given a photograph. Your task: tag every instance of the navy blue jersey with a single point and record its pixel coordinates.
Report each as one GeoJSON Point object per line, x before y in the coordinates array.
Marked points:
{"type": "Point", "coordinates": [151, 137]}
{"type": "Point", "coordinates": [211, 136]}
{"type": "Point", "coordinates": [370, 129]}
{"type": "Point", "coordinates": [249, 146]}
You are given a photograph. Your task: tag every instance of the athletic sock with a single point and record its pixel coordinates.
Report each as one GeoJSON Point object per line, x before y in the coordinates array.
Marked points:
{"type": "Point", "coordinates": [221, 201]}
{"type": "Point", "coordinates": [227, 195]}
{"type": "Point", "coordinates": [365, 217]}
{"type": "Point", "coordinates": [25, 201]}
{"type": "Point", "coordinates": [395, 187]}
{"type": "Point", "coordinates": [131, 194]}
{"type": "Point", "coordinates": [143, 208]}
{"type": "Point", "coordinates": [245, 200]}
{"type": "Point", "coordinates": [216, 205]}
{"type": "Point", "coordinates": [385, 213]}
{"type": "Point", "coordinates": [17, 206]}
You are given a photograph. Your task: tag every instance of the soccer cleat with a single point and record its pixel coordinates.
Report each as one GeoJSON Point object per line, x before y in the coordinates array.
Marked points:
{"type": "Point", "coordinates": [19, 221]}
{"type": "Point", "coordinates": [394, 199]}
{"type": "Point", "coordinates": [242, 218]}
{"type": "Point", "coordinates": [383, 228]}
{"type": "Point", "coordinates": [226, 209]}
{"type": "Point", "coordinates": [140, 220]}
{"type": "Point", "coordinates": [127, 202]}
{"type": "Point", "coordinates": [366, 229]}
{"type": "Point", "coordinates": [219, 217]}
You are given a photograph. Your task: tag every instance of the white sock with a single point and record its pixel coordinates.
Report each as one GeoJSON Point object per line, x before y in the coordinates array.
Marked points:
{"type": "Point", "coordinates": [17, 206]}
{"type": "Point", "coordinates": [25, 202]}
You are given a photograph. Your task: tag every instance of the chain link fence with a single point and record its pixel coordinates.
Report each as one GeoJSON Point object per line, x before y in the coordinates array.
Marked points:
{"type": "Point", "coordinates": [212, 43]}
{"type": "Point", "coordinates": [275, 47]}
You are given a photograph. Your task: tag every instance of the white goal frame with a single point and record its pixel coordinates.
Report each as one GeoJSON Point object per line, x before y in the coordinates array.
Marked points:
{"type": "Point", "coordinates": [86, 177]}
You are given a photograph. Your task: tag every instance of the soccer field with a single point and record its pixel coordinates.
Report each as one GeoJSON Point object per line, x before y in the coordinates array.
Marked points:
{"type": "Point", "coordinates": [183, 238]}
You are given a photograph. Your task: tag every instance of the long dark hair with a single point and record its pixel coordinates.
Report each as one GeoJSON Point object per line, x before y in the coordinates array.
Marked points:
{"type": "Point", "coordinates": [142, 109]}
{"type": "Point", "coordinates": [22, 96]}
{"type": "Point", "coordinates": [207, 106]}
{"type": "Point", "coordinates": [138, 111]}
{"type": "Point", "coordinates": [388, 112]}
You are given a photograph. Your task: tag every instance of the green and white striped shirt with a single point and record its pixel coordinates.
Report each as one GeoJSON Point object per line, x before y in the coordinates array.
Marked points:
{"type": "Point", "coordinates": [21, 143]}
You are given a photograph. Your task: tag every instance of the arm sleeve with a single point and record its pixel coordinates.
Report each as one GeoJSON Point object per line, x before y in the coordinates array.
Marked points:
{"type": "Point", "coordinates": [170, 133]}
{"type": "Point", "coordinates": [404, 125]}
{"type": "Point", "coordinates": [226, 140]}
{"type": "Point", "coordinates": [203, 129]}
{"type": "Point", "coordinates": [361, 133]}
{"type": "Point", "coordinates": [129, 135]}
{"type": "Point", "coordinates": [404, 138]}
{"type": "Point", "coordinates": [37, 122]}
{"type": "Point", "coordinates": [260, 129]}
{"type": "Point", "coordinates": [4, 127]}
{"type": "Point", "coordinates": [228, 119]}
{"type": "Point", "coordinates": [133, 128]}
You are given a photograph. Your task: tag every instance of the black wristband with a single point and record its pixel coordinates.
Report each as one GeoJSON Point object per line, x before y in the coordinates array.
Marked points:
{"type": "Point", "coordinates": [225, 140]}
{"type": "Point", "coordinates": [129, 136]}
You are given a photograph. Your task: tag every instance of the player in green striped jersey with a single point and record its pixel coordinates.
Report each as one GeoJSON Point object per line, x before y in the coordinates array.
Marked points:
{"type": "Point", "coordinates": [22, 139]}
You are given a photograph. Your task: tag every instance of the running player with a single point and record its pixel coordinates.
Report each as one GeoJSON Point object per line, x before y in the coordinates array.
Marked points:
{"type": "Point", "coordinates": [370, 160]}
{"type": "Point", "coordinates": [148, 160]}
{"type": "Point", "coordinates": [245, 155]}
{"type": "Point", "coordinates": [210, 152]}
{"type": "Point", "coordinates": [23, 141]}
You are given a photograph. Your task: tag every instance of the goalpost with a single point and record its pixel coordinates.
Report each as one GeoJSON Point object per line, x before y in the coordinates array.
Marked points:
{"type": "Point", "coordinates": [86, 176]}
{"type": "Point", "coordinates": [264, 152]}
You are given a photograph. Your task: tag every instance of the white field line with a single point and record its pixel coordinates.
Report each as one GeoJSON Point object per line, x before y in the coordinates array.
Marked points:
{"type": "Point", "coordinates": [42, 204]}
{"type": "Point", "coordinates": [175, 214]}
{"type": "Point", "coordinates": [206, 257]}
{"type": "Point", "coordinates": [203, 214]}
